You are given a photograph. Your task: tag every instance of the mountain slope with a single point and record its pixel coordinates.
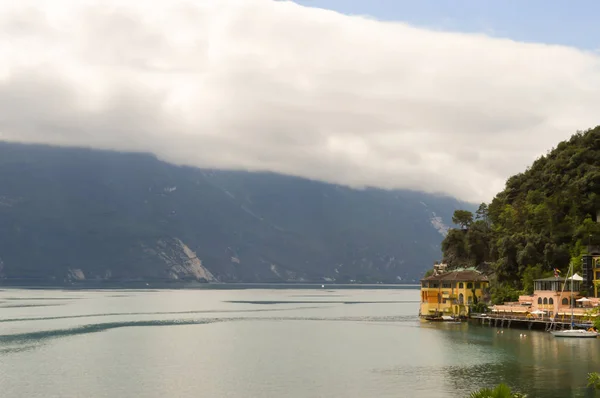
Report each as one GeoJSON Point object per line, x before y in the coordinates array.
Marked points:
{"type": "Point", "coordinates": [83, 214]}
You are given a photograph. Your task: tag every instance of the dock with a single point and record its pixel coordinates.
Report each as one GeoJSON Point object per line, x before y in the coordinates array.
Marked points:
{"type": "Point", "coordinates": [522, 322]}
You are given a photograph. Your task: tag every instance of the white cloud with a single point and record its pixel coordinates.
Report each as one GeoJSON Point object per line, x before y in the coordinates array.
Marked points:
{"type": "Point", "coordinates": [265, 85]}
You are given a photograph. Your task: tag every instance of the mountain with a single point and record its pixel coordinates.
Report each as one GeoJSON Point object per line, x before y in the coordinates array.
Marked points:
{"type": "Point", "coordinates": [69, 214]}
{"type": "Point", "coordinates": [545, 218]}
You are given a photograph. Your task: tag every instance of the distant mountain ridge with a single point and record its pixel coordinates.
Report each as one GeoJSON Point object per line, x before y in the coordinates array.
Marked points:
{"type": "Point", "coordinates": [69, 214]}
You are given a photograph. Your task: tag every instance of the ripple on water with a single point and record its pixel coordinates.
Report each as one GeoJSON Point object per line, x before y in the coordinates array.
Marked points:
{"type": "Point", "coordinates": [41, 298]}
{"type": "Point", "coordinates": [190, 312]}
{"type": "Point", "coordinates": [29, 305]}
{"type": "Point", "coordinates": [272, 302]}
{"type": "Point", "coordinates": [39, 336]}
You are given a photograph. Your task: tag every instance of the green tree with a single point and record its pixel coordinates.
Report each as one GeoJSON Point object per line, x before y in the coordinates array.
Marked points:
{"type": "Point", "coordinates": [500, 391]}
{"type": "Point", "coordinates": [531, 273]}
{"type": "Point", "coordinates": [589, 231]}
{"type": "Point", "coordinates": [593, 380]}
{"type": "Point", "coordinates": [504, 292]}
{"type": "Point", "coordinates": [477, 241]}
{"type": "Point", "coordinates": [454, 248]}
{"type": "Point", "coordinates": [482, 213]}
{"type": "Point", "coordinates": [478, 307]}
{"type": "Point", "coordinates": [464, 218]}
{"type": "Point", "coordinates": [527, 255]}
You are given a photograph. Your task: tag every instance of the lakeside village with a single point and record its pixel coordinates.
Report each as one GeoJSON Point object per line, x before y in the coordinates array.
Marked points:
{"type": "Point", "coordinates": [460, 295]}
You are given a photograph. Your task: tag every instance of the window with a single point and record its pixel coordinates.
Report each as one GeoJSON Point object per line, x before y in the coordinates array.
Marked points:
{"type": "Point", "coordinates": [461, 285]}
{"type": "Point", "coordinates": [551, 301]}
{"type": "Point", "coordinates": [565, 301]}
{"type": "Point", "coordinates": [461, 298]}
{"type": "Point", "coordinates": [539, 300]}
{"type": "Point", "coordinates": [469, 285]}
{"type": "Point", "coordinates": [470, 299]}
{"type": "Point", "coordinates": [446, 285]}
{"type": "Point", "coordinates": [425, 284]}
{"type": "Point", "coordinates": [477, 285]}
{"type": "Point", "coordinates": [545, 301]}
{"type": "Point", "coordinates": [434, 284]}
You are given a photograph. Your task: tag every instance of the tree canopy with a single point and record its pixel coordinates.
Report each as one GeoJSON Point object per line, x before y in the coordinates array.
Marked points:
{"type": "Point", "coordinates": [464, 218]}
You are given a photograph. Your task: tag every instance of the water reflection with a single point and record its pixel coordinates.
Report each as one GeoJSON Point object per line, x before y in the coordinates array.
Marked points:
{"type": "Point", "coordinates": [264, 344]}
{"type": "Point", "coordinates": [533, 362]}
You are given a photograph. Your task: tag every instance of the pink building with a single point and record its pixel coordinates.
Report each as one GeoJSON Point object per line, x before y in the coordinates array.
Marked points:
{"type": "Point", "coordinates": [551, 298]}
{"type": "Point", "coordinates": [553, 295]}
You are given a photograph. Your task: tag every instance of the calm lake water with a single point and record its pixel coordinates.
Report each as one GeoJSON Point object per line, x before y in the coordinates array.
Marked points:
{"type": "Point", "coordinates": [267, 343]}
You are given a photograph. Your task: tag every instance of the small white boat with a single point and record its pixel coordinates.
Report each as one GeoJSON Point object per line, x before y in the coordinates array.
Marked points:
{"type": "Point", "coordinates": [575, 333]}
{"type": "Point", "coordinates": [450, 319]}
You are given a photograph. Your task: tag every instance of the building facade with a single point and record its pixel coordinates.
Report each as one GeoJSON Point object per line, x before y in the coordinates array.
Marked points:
{"type": "Point", "coordinates": [552, 298]}
{"type": "Point", "coordinates": [451, 293]}
{"type": "Point", "coordinates": [553, 295]}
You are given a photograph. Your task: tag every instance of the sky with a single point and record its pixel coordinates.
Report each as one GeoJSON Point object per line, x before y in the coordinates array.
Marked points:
{"type": "Point", "coordinates": [448, 97]}
{"type": "Point", "coordinates": [536, 21]}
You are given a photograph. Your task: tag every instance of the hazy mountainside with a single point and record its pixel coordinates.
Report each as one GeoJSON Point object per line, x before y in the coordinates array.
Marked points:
{"type": "Point", "coordinates": [545, 218]}
{"type": "Point", "coordinates": [73, 214]}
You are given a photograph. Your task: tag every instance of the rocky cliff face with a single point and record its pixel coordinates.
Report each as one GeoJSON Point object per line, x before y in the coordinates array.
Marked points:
{"type": "Point", "coordinates": [180, 261]}
{"type": "Point", "coordinates": [75, 214]}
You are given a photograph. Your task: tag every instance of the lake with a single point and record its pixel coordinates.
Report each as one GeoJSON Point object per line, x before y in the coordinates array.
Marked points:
{"type": "Point", "coordinates": [267, 343]}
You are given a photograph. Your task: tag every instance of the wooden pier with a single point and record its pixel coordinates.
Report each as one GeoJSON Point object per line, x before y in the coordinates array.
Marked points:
{"type": "Point", "coordinates": [521, 322]}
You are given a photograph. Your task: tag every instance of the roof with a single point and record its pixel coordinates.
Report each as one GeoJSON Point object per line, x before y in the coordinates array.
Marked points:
{"type": "Point", "coordinates": [460, 276]}
{"type": "Point", "coordinates": [576, 277]}
{"type": "Point", "coordinates": [549, 279]}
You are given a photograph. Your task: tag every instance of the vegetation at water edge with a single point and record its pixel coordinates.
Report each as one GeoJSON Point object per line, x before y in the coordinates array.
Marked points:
{"type": "Point", "coordinates": [500, 391]}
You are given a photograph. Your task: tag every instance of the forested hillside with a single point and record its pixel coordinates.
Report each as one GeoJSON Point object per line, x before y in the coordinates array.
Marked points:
{"type": "Point", "coordinates": [543, 219]}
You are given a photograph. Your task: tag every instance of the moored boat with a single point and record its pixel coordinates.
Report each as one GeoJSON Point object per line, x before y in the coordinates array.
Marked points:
{"type": "Point", "coordinates": [443, 318]}
{"type": "Point", "coordinates": [575, 333]}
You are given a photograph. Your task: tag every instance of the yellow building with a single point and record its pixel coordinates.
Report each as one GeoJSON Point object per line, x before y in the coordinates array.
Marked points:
{"type": "Point", "coordinates": [451, 293]}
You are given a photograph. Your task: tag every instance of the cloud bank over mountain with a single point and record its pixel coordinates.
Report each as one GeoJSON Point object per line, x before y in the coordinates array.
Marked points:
{"type": "Point", "coordinates": [274, 86]}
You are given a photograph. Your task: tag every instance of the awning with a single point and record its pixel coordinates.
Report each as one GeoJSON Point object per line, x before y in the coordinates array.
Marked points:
{"type": "Point", "coordinates": [576, 314]}
{"type": "Point", "coordinates": [576, 277]}
{"type": "Point", "coordinates": [583, 299]}
{"type": "Point", "coordinates": [508, 310]}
